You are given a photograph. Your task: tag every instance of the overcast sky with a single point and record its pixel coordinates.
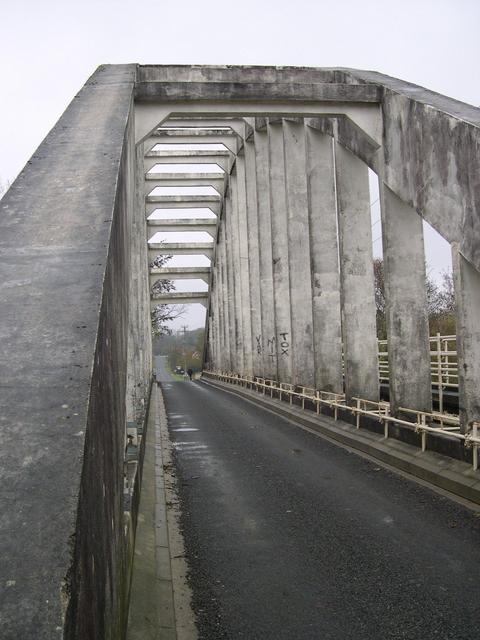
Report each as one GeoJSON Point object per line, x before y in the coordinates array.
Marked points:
{"type": "Point", "coordinates": [48, 49]}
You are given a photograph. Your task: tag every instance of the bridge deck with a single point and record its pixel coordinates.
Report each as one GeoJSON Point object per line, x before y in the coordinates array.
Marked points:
{"type": "Point", "coordinates": [289, 536]}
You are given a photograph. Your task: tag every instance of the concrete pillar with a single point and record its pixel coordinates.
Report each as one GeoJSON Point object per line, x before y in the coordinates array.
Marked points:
{"type": "Point", "coordinates": [406, 297]}
{"type": "Point", "coordinates": [244, 266]}
{"type": "Point", "coordinates": [299, 253]}
{"type": "Point", "coordinates": [218, 316]}
{"type": "Point", "coordinates": [327, 324]}
{"type": "Point", "coordinates": [280, 265]}
{"type": "Point", "coordinates": [268, 340]}
{"type": "Point", "coordinates": [230, 279]}
{"type": "Point", "coordinates": [213, 333]}
{"type": "Point", "coordinates": [356, 277]}
{"type": "Point", "coordinates": [227, 353]}
{"type": "Point", "coordinates": [210, 348]}
{"type": "Point", "coordinates": [237, 270]}
{"type": "Point", "coordinates": [253, 257]}
{"type": "Point", "coordinates": [467, 297]}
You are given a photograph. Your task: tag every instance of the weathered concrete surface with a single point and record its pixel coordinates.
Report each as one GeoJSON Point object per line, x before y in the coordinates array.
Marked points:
{"type": "Point", "coordinates": [244, 265]}
{"type": "Point", "coordinates": [410, 383]}
{"type": "Point", "coordinates": [266, 341]}
{"type": "Point", "coordinates": [356, 277]}
{"type": "Point", "coordinates": [63, 318]}
{"type": "Point", "coordinates": [139, 326]}
{"type": "Point", "coordinates": [243, 73]}
{"type": "Point", "coordinates": [280, 265]}
{"type": "Point", "coordinates": [467, 297]}
{"type": "Point", "coordinates": [432, 157]}
{"type": "Point", "coordinates": [299, 260]}
{"type": "Point", "coordinates": [254, 256]}
{"type": "Point", "coordinates": [233, 228]}
{"type": "Point", "coordinates": [327, 326]}
{"type": "Point", "coordinates": [226, 359]}
{"type": "Point", "coordinates": [232, 326]}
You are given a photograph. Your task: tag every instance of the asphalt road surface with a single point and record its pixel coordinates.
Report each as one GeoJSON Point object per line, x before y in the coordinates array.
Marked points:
{"type": "Point", "coordinates": [161, 372]}
{"type": "Point", "coordinates": [291, 537]}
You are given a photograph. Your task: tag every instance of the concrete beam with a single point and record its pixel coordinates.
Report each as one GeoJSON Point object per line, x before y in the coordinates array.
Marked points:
{"type": "Point", "coordinates": [218, 181]}
{"type": "Point", "coordinates": [180, 249]}
{"type": "Point", "coordinates": [218, 185]}
{"type": "Point", "coordinates": [183, 178]}
{"type": "Point", "coordinates": [244, 73]}
{"type": "Point", "coordinates": [189, 119]}
{"type": "Point", "coordinates": [194, 133]}
{"type": "Point", "coordinates": [179, 273]}
{"type": "Point", "coordinates": [180, 297]}
{"type": "Point", "coordinates": [224, 162]}
{"type": "Point", "coordinates": [256, 91]}
{"type": "Point", "coordinates": [214, 205]}
{"type": "Point", "coordinates": [207, 225]}
{"type": "Point", "coordinates": [184, 153]}
{"type": "Point", "coordinates": [366, 115]}
{"type": "Point", "coordinates": [230, 139]}
{"type": "Point", "coordinates": [181, 199]}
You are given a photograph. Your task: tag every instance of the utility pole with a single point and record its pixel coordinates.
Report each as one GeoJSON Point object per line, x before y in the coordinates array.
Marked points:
{"type": "Point", "coordinates": [184, 327]}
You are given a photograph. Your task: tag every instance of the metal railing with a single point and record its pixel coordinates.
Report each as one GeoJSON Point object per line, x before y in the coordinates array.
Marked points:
{"type": "Point", "coordinates": [443, 364]}
{"type": "Point", "coordinates": [424, 423]}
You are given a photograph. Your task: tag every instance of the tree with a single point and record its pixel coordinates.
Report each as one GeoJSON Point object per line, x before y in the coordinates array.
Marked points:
{"type": "Point", "coordinates": [440, 302]}
{"type": "Point", "coordinates": [4, 187]}
{"type": "Point", "coordinates": [164, 313]}
{"type": "Point", "coordinates": [380, 302]}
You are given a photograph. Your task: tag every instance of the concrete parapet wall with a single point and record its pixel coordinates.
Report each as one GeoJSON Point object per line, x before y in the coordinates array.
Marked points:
{"type": "Point", "coordinates": [63, 317]}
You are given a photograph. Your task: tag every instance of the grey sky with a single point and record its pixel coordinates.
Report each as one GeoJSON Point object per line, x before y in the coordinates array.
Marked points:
{"type": "Point", "coordinates": [48, 49]}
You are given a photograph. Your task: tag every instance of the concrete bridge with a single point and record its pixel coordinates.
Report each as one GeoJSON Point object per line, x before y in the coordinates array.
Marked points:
{"type": "Point", "coordinates": [272, 163]}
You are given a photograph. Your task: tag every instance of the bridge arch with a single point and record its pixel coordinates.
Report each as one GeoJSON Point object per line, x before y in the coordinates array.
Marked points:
{"type": "Point", "coordinates": [289, 283]}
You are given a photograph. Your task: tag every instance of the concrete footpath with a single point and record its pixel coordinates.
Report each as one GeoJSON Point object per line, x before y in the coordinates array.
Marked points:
{"type": "Point", "coordinates": [160, 599]}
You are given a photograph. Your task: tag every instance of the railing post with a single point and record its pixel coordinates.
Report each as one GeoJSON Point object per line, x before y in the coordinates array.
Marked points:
{"type": "Point", "coordinates": [439, 373]}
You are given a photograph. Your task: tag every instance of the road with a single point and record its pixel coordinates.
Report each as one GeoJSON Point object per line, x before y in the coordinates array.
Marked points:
{"type": "Point", "coordinates": [161, 372]}
{"type": "Point", "coordinates": [291, 537]}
